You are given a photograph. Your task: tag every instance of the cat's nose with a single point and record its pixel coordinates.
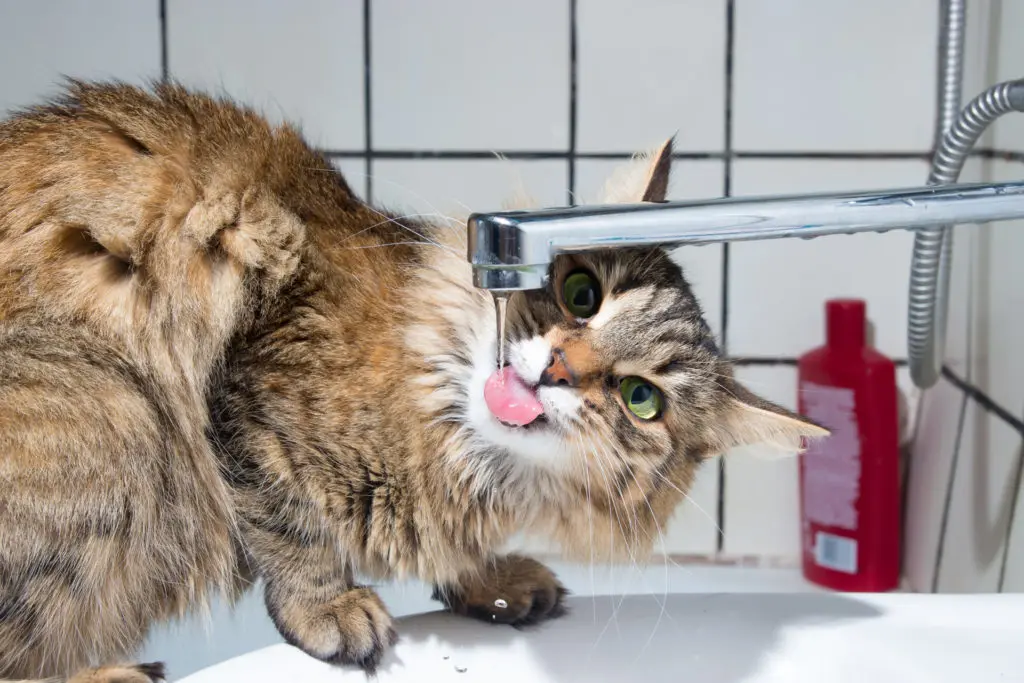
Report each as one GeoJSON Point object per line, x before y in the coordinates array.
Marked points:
{"type": "Point", "coordinates": [559, 373]}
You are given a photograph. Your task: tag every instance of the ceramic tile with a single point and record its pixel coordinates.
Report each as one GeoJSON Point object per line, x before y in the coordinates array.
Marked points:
{"type": "Point", "coordinates": [300, 61]}
{"type": "Point", "coordinates": [762, 487]}
{"type": "Point", "coordinates": [1009, 129]}
{"type": "Point", "coordinates": [456, 187]}
{"type": "Point", "coordinates": [458, 74]}
{"type": "Point", "coordinates": [813, 75]}
{"type": "Point", "coordinates": [778, 288]}
{"type": "Point", "coordinates": [980, 509]}
{"type": "Point", "coordinates": [702, 266]}
{"type": "Point", "coordinates": [654, 70]}
{"type": "Point", "coordinates": [927, 484]}
{"type": "Point", "coordinates": [998, 327]}
{"type": "Point", "coordinates": [41, 42]}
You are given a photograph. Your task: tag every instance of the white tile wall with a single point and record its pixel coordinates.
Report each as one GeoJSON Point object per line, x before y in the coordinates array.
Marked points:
{"type": "Point", "coordinates": [984, 489]}
{"type": "Point", "coordinates": [981, 50]}
{"type": "Point", "coordinates": [300, 60]}
{"type": "Point", "coordinates": [103, 39]}
{"type": "Point", "coordinates": [927, 483]}
{"type": "Point", "coordinates": [998, 330]}
{"type": "Point", "coordinates": [814, 75]}
{"type": "Point", "coordinates": [1009, 65]}
{"type": "Point", "coordinates": [778, 288]}
{"type": "Point", "coordinates": [450, 74]}
{"type": "Point", "coordinates": [458, 187]}
{"type": "Point", "coordinates": [657, 68]}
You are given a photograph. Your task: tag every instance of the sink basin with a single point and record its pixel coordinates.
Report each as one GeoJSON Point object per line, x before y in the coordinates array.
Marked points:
{"type": "Point", "coordinates": [720, 638]}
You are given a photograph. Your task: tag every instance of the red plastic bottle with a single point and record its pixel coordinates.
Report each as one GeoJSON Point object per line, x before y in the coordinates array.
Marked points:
{"type": "Point", "coordinates": [849, 481]}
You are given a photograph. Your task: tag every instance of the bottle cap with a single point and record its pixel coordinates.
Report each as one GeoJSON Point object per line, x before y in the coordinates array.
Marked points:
{"type": "Point", "coordinates": [845, 323]}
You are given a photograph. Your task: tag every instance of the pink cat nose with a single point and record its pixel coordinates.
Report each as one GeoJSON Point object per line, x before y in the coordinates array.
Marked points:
{"type": "Point", "coordinates": [558, 372]}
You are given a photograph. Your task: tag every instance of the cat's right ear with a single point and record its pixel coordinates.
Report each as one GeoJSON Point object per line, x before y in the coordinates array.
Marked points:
{"type": "Point", "coordinates": [747, 419]}
{"type": "Point", "coordinates": [643, 179]}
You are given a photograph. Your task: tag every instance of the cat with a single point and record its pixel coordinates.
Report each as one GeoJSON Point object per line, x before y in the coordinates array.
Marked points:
{"type": "Point", "coordinates": [218, 365]}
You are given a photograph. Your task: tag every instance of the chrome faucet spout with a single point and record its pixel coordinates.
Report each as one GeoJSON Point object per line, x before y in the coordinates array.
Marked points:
{"type": "Point", "coordinates": [513, 250]}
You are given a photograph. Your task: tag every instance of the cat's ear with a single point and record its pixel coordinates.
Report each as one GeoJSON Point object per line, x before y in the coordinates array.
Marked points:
{"type": "Point", "coordinates": [749, 419]}
{"type": "Point", "coordinates": [644, 179]}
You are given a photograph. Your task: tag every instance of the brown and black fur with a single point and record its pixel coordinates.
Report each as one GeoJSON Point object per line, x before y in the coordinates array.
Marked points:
{"type": "Point", "coordinates": [218, 364]}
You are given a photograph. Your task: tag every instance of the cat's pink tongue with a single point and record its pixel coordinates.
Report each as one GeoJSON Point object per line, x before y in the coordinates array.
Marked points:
{"type": "Point", "coordinates": [510, 400]}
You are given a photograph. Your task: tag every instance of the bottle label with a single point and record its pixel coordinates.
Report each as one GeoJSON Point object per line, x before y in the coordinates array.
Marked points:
{"type": "Point", "coordinates": [832, 466]}
{"type": "Point", "coordinates": [835, 552]}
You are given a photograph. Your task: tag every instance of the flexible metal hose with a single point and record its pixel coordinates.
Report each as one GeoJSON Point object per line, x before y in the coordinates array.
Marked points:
{"type": "Point", "coordinates": [952, 26]}
{"type": "Point", "coordinates": [929, 282]}
{"type": "Point", "coordinates": [929, 273]}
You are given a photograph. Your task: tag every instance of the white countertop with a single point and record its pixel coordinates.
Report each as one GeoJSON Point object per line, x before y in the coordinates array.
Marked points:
{"type": "Point", "coordinates": [721, 638]}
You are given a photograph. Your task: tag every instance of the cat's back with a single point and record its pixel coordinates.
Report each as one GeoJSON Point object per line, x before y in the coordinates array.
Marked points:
{"type": "Point", "coordinates": [131, 210]}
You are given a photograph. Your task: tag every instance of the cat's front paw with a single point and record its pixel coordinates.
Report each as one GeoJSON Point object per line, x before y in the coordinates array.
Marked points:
{"type": "Point", "coordinates": [354, 628]}
{"type": "Point", "coordinates": [513, 590]}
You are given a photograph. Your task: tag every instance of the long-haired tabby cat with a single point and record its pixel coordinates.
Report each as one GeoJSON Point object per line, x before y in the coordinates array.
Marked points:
{"type": "Point", "coordinates": [218, 364]}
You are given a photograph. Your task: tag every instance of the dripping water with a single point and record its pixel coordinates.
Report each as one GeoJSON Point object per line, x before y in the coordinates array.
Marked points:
{"type": "Point", "coordinates": [501, 311]}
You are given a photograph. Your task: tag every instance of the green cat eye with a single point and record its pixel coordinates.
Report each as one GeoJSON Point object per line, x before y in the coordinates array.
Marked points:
{"type": "Point", "coordinates": [642, 398]}
{"type": "Point", "coordinates": [582, 294]}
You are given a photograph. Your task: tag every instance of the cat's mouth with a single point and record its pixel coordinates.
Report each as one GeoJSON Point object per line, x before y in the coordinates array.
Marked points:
{"type": "Point", "coordinates": [512, 401]}
{"type": "Point", "coordinates": [539, 422]}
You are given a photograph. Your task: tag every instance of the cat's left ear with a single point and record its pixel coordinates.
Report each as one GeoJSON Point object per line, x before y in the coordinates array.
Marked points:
{"type": "Point", "coordinates": [749, 419]}
{"type": "Point", "coordinates": [644, 179]}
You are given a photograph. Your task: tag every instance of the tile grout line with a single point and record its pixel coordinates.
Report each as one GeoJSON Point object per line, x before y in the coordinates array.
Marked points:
{"type": "Point", "coordinates": [572, 101]}
{"type": "Point", "coordinates": [730, 26]}
{"type": "Point", "coordinates": [948, 502]}
{"type": "Point", "coordinates": [367, 102]}
{"type": "Point", "coordinates": [984, 400]}
{"type": "Point", "coordinates": [165, 66]}
{"type": "Point", "coordinates": [1019, 477]}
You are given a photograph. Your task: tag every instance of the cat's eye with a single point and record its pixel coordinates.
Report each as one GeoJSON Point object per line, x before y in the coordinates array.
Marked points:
{"type": "Point", "coordinates": [641, 397]}
{"type": "Point", "coordinates": [581, 294]}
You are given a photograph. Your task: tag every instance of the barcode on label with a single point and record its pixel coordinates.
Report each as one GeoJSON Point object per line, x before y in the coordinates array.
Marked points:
{"type": "Point", "coordinates": [835, 552]}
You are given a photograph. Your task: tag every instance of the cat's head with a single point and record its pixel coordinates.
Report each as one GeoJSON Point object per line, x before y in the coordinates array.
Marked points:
{"type": "Point", "coordinates": [613, 373]}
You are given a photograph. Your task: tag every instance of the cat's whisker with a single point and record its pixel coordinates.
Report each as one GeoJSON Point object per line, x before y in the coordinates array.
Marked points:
{"type": "Point", "coordinates": [626, 538]}
{"type": "Point", "coordinates": [400, 244]}
{"type": "Point", "coordinates": [612, 519]}
{"type": "Point", "coordinates": [590, 525]}
{"type": "Point", "coordinates": [661, 537]}
{"type": "Point", "coordinates": [411, 192]}
{"type": "Point", "coordinates": [693, 502]}
{"type": "Point", "coordinates": [387, 219]}
{"type": "Point", "coordinates": [397, 222]}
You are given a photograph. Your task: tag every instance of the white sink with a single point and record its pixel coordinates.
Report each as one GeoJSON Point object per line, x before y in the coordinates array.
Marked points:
{"type": "Point", "coordinates": [693, 638]}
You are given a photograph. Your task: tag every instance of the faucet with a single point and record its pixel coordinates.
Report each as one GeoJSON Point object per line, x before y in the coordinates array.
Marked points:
{"type": "Point", "coordinates": [513, 250]}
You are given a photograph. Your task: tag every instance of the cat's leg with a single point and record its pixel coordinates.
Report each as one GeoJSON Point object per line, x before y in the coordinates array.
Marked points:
{"type": "Point", "coordinates": [314, 601]}
{"type": "Point", "coordinates": [99, 530]}
{"type": "Point", "coordinates": [512, 590]}
{"type": "Point", "coordinates": [137, 673]}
